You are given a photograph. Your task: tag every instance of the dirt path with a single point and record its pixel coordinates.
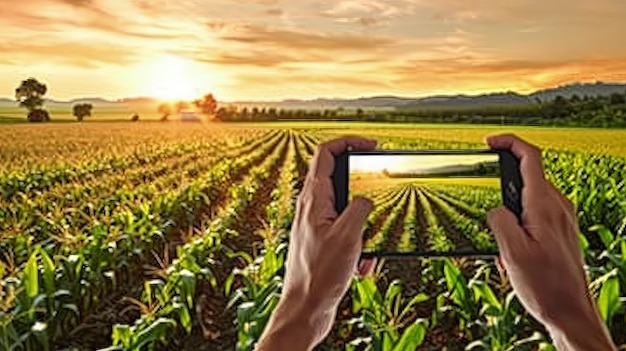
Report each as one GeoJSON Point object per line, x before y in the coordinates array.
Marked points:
{"type": "Point", "coordinates": [215, 328]}
{"type": "Point", "coordinates": [397, 227]}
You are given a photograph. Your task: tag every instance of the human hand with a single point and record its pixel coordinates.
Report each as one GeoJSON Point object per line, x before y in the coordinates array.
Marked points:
{"type": "Point", "coordinates": [542, 256]}
{"type": "Point", "coordinates": [323, 255]}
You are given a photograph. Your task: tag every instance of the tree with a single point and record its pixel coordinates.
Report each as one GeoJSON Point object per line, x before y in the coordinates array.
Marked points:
{"type": "Point", "coordinates": [165, 110]}
{"type": "Point", "coordinates": [617, 99]}
{"type": "Point", "coordinates": [38, 115]}
{"type": "Point", "coordinates": [208, 104]}
{"type": "Point", "coordinates": [134, 118]}
{"type": "Point", "coordinates": [82, 110]}
{"type": "Point", "coordinates": [30, 95]}
{"type": "Point", "coordinates": [560, 107]}
{"type": "Point", "coordinates": [181, 105]}
{"type": "Point", "coordinates": [222, 114]}
{"type": "Point", "coordinates": [359, 113]}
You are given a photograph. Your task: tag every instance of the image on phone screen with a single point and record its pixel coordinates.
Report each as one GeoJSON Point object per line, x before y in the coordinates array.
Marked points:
{"type": "Point", "coordinates": [428, 203]}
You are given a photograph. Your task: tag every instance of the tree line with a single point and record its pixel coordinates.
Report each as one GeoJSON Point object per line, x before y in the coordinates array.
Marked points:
{"type": "Point", "coordinates": [30, 95]}
{"type": "Point", "coordinates": [588, 111]}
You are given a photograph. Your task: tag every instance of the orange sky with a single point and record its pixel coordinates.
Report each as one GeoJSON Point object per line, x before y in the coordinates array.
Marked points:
{"type": "Point", "coordinates": [271, 49]}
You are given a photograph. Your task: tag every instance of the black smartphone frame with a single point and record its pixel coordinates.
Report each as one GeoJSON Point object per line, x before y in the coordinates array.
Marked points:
{"type": "Point", "coordinates": [511, 185]}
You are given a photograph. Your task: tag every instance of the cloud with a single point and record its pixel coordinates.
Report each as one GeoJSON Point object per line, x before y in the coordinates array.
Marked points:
{"type": "Point", "coordinates": [472, 73]}
{"type": "Point", "coordinates": [566, 11]}
{"type": "Point", "coordinates": [298, 39]}
{"type": "Point", "coordinates": [348, 45]}
{"type": "Point", "coordinates": [113, 18]}
{"type": "Point", "coordinates": [316, 82]}
{"type": "Point", "coordinates": [79, 3]}
{"type": "Point", "coordinates": [257, 59]}
{"type": "Point", "coordinates": [274, 12]}
{"type": "Point", "coordinates": [363, 7]}
{"type": "Point", "coordinates": [83, 55]}
{"type": "Point", "coordinates": [367, 12]}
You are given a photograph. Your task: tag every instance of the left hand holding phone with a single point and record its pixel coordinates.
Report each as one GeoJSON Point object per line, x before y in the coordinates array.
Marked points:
{"type": "Point", "coordinates": [323, 255]}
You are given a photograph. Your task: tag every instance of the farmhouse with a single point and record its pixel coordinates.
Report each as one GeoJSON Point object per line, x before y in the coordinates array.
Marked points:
{"type": "Point", "coordinates": [189, 116]}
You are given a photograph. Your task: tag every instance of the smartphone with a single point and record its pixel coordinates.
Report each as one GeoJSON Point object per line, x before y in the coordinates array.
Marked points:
{"type": "Point", "coordinates": [429, 203]}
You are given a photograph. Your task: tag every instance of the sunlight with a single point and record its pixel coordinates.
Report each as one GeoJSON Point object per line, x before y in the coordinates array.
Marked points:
{"type": "Point", "coordinates": [376, 163]}
{"type": "Point", "coordinates": [172, 78]}
{"type": "Point", "coordinates": [421, 163]}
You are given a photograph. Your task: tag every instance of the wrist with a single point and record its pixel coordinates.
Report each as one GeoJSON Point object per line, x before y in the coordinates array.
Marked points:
{"type": "Point", "coordinates": [584, 332]}
{"type": "Point", "coordinates": [292, 326]}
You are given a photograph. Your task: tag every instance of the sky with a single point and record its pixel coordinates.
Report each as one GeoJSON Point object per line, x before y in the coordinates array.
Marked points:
{"type": "Point", "coordinates": [413, 163]}
{"type": "Point", "coordinates": [272, 49]}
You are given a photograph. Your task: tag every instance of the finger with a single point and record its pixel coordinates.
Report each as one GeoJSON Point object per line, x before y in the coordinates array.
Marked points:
{"type": "Point", "coordinates": [323, 163]}
{"type": "Point", "coordinates": [567, 205]}
{"type": "Point", "coordinates": [351, 221]}
{"type": "Point", "coordinates": [507, 232]}
{"type": "Point", "coordinates": [531, 166]}
{"type": "Point", "coordinates": [500, 266]}
{"type": "Point", "coordinates": [322, 196]}
{"type": "Point", "coordinates": [366, 266]}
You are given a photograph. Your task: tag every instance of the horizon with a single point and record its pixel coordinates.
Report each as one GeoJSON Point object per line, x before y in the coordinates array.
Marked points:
{"type": "Point", "coordinates": [329, 98]}
{"type": "Point", "coordinates": [424, 163]}
{"type": "Point", "coordinates": [269, 51]}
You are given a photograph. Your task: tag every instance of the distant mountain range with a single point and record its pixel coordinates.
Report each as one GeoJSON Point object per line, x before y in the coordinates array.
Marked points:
{"type": "Point", "coordinates": [498, 98]}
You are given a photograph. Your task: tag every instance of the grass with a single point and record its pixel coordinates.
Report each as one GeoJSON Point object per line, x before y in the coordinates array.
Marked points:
{"type": "Point", "coordinates": [100, 113]}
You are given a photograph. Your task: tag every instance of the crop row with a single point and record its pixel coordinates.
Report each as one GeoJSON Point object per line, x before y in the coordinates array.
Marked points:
{"type": "Point", "coordinates": [110, 253]}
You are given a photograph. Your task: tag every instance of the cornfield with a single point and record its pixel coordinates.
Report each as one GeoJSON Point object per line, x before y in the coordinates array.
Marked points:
{"type": "Point", "coordinates": [169, 237]}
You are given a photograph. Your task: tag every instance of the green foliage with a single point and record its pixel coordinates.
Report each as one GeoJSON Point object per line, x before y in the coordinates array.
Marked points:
{"type": "Point", "coordinates": [81, 111]}
{"type": "Point", "coordinates": [30, 94]}
{"type": "Point", "coordinates": [389, 318]}
{"type": "Point", "coordinates": [38, 115]}
{"type": "Point", "coordinates": [73, 231]}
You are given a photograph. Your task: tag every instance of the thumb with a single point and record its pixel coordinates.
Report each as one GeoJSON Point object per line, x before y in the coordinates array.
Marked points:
{"type": "Point", "coordinates": [358, 209]}
{"type": "Point", "coordinates": [504, 225]}
{"type": "Point", "coordinates": [354, 216]}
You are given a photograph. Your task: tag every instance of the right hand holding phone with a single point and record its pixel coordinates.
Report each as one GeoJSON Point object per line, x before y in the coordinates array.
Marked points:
{"type": "Point", "coordinates": [542, 256]}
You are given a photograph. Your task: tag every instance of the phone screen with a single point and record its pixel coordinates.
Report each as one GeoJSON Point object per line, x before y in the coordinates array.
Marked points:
{"type": "Point", "coordinates": [427, 203]}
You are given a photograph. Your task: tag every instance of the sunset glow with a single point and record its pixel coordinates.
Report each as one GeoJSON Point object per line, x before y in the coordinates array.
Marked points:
{"type": "Point", "coordinates": [171, 78]}
{"type": "Point", "coordinates": [407, 163]}
{"type": "Point", "coordinates": [265, 50]}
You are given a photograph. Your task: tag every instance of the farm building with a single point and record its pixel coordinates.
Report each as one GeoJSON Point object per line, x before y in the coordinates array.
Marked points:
{"type": "Point", "coordinates": [189, 116]}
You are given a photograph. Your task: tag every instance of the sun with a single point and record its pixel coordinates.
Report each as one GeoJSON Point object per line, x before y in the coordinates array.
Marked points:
{"type": "Point", "coordinates": [376, 163]}
{"type": "Point", "coordinates": [172, 78]}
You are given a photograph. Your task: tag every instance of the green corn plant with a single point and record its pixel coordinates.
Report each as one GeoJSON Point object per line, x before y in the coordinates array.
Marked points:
{"type": "Point", "coordinates": [608, 300]}
{"type": "Point", "coordinates": [500, 319]}
{"type": "Point", "coordinates": [126, 338]}
{"type": "Point", "coordinates": [388, 317]}
{"type": "Point", "coordinates": [258, 293]}
{"type": "Point", "coordinates": [608, 272]}
{"type": "Point", "coordinates": [33, 323]}
{"type": "Point", "coordinates": [464, 304]}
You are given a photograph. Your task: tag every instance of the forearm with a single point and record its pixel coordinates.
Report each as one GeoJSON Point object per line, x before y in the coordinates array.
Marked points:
{"type": "Point", "coordinates": [290, 327]}
{"type": "Point", "coordinates": [586, 333]}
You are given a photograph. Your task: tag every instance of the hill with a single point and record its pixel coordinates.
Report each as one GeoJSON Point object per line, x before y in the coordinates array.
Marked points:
{"type": "Point", "coordinates": [458, 100]}
{"type": "Point", "coordinates": [590, 89]}
{"type": "Point", "coordinates": [383, 102]}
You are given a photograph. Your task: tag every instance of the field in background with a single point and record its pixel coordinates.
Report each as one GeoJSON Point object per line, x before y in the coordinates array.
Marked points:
{"type": "Point", "coordinates": [137, 234]}
{"type": "Point", "coordinates": [63, 114]}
